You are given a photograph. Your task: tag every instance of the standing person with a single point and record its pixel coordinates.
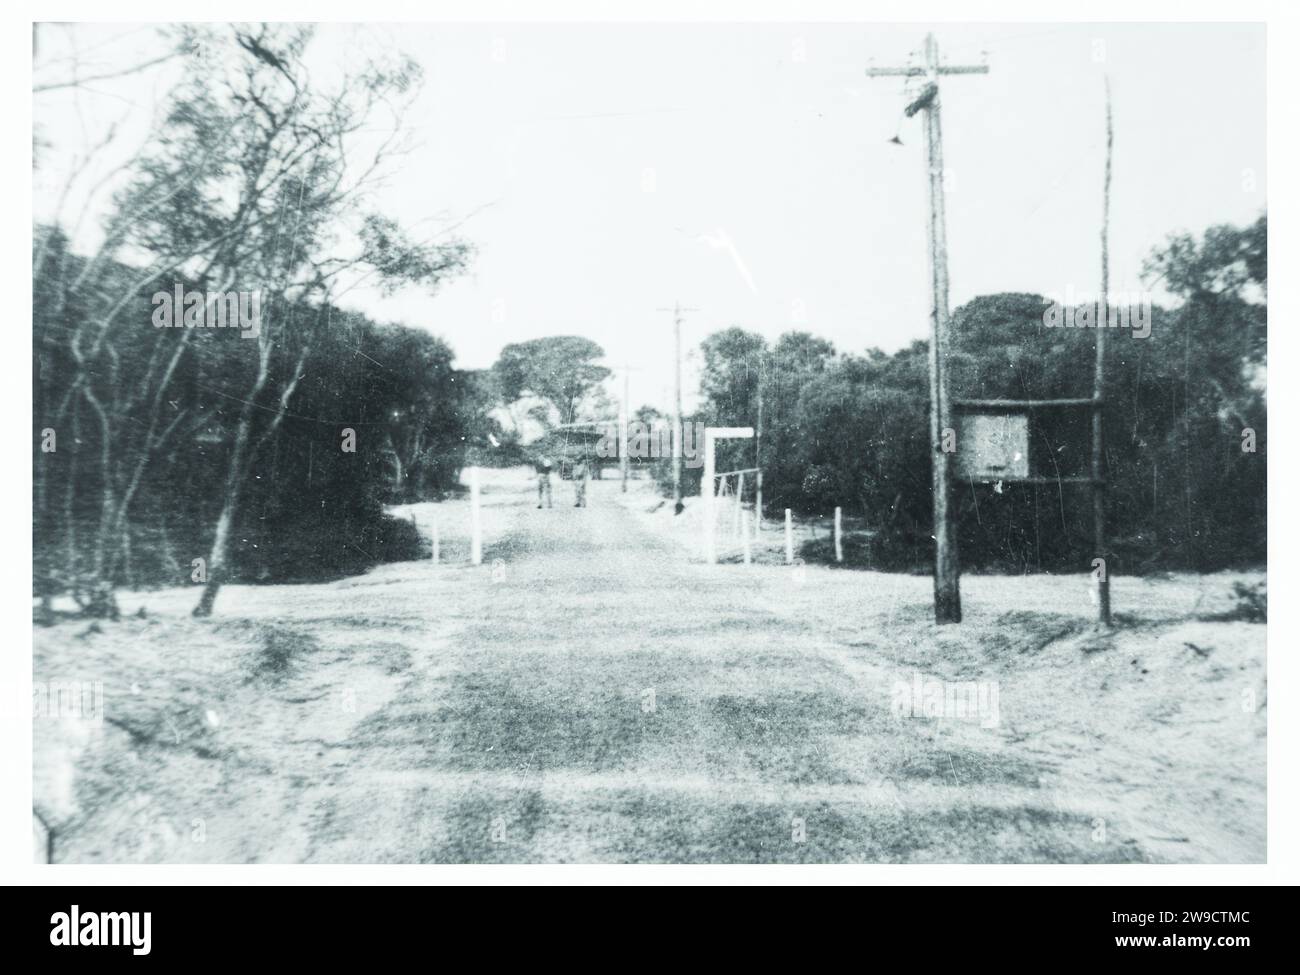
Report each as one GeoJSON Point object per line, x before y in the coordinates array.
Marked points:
{"type": "Point", "coordinates": [543, 480]}
{"type": "Point", "coordinates": [581, 474]}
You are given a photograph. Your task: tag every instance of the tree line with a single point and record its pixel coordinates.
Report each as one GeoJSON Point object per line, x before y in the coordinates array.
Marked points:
{"type": "Point", "coordinates": [171, 454]}
{"type": "Point", "coordinates": [1185, 415]}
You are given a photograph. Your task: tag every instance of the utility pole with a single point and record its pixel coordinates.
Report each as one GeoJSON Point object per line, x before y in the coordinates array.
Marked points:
{"type": "Point", "coordinates": [677, 311]}
{"type": "Point", "coordinates": [947, 567]}
{"type": "Point", "coordinates": [1099, 390]}
{"type": "Point", "coordinates": [622, 433]}
{"type": "Point", "coordinates": [624, 423]}
{"type": "Point", "coordinates": [758, 456]}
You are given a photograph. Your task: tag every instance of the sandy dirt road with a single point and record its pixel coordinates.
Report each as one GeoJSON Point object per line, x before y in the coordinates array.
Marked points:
{"type": "Point", "coordinates": [592, 693]}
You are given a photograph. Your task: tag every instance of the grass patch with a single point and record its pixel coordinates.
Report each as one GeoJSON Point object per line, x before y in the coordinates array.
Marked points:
{"type": "Point", "coordinates": [278, 649]}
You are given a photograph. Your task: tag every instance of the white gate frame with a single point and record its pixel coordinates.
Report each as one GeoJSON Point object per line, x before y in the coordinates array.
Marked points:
{"type": "Point", "coordinates": [711, 436]}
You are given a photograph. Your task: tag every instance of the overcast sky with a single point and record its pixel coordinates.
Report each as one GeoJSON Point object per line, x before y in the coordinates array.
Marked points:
{"type": "Point", "coordinates": [608, 171]}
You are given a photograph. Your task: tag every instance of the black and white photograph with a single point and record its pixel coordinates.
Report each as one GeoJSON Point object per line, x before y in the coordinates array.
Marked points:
{"type": "Point", "coordinates": [648, 440]}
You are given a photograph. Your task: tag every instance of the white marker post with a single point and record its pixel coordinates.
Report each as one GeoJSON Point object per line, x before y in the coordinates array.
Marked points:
{"type": "Point", "coordinates": [475, 521]}
{"type": "Point", "coordinates": [744, 535]}
{"type": "Point", "coordinates": [740, 501]}
{"type": "Point", "coordinates": [711, 436]}
{"type": "Point", "coordinates": [839, 547]}
{"type": "Point", "coordinates": [789, 539]}
{"type": "Point", "coordinates": [435, 539]}
{"type": "Point", "coordinates": [706, 496]}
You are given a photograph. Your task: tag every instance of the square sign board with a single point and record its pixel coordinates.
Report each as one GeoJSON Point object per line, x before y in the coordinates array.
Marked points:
{"type": "Point", "coordinates": [993, 446]}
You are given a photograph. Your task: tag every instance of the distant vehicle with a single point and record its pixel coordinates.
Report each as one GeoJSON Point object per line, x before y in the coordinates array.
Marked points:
{"type": "Point", "coordinates": [571, 442]}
